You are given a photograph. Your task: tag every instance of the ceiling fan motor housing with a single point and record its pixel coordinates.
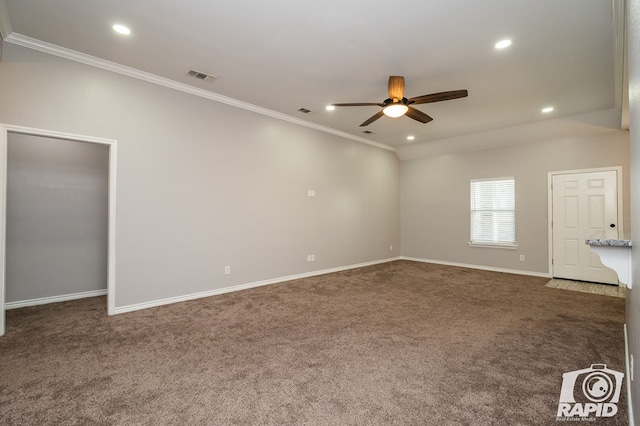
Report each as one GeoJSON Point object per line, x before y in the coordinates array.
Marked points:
{"type": "Point", "coordinates": [403, 101]}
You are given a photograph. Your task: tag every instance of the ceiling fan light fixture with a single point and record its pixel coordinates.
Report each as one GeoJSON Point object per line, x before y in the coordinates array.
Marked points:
{"type": "Point", "coordinates": [395, 110]}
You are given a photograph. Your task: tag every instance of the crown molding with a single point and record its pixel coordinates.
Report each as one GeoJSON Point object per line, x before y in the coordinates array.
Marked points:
{"type": "Point", "coordinates": [93, 61]}
{"type": "Point", "coordinates": [5, 23]}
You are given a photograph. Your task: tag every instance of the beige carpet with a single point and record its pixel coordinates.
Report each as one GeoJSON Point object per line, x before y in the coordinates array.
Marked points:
{"type": "Point", "coordinates": [402, 343]}
{"type": "Point", "coordinates": [586, 287]}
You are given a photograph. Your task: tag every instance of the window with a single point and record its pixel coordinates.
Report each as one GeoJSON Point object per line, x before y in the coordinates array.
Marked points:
{"type": "Point", "coordinates": [493, 215]}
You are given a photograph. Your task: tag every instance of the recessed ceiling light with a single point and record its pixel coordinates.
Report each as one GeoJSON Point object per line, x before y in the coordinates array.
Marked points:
{"type": "Point", "coordinates": [502, 44]}
{"type": "Point", "coordinates": [121, 29]}
{"type": "Point", "coordinates": [410, 138]}
{"type": "Point", "coordinates": [547, 109]}
{"type": "Point", "coordinates": [330, 107]}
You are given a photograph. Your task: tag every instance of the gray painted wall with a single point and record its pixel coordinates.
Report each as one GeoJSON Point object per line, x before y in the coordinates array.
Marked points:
{"type": "Point", "coordinates": [435, 197]}
{"type": "Point", "coordinates": [202, 185]}
{"type": "Point", "coordinates": [57, 200]}
{"type": "Point", "coordinates": [633, 296]}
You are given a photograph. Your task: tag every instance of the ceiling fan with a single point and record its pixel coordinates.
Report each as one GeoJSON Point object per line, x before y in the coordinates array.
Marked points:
{"type": "Point", "coordinates": [397, 105]}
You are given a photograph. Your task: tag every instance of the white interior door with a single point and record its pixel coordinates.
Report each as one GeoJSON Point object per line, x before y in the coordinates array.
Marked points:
{"type": "Point", "coordinates": [584, 205]}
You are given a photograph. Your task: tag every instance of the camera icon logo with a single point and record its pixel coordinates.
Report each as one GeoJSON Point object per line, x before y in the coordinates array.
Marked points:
{"type": "Point", "coordinates": [590, 391]}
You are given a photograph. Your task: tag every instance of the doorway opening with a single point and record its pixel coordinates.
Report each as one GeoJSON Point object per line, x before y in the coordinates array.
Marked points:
{"type": "Point", "coordinates": [23, 137]}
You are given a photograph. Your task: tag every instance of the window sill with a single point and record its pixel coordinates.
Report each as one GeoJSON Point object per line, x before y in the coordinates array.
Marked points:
{"type": "Point", "coordinates": [494, 245]}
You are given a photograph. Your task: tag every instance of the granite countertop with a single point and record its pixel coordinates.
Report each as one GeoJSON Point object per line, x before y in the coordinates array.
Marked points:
{"type": "Point", "coordinates": [608, 242]}
{"type": "Point", "coordinates": [599, 238]}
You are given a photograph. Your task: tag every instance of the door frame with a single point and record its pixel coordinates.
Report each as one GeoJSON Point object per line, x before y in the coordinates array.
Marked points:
{"type": "Point", "coordinates": [620, 194]}
{"type": "Point", "coordinates": [5, 129]}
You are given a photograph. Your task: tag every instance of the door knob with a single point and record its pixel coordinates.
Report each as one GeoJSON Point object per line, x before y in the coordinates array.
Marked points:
{"type": "Point", "coordinates": [613, 225]}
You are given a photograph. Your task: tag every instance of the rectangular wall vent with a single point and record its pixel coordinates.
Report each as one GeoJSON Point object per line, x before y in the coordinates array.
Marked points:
{"type": "Point", "coordinates": [305, 110]}
{"type": "Point", "coordinates": [201, 76]}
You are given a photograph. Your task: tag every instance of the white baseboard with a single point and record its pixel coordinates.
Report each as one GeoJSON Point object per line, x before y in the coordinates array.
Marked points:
{"type": "Point", "coordinates": [53, 299]}
{"type": "Point", "coordinates": [215, 292]}
{"type": "Point", "coordinates": [484, 268]}
{"type": "Point", "coordinates": [629, 376]}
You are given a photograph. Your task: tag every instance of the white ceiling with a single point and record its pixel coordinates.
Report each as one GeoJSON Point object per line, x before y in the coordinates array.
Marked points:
{"type": "Point", "coordinates": [285, 54]}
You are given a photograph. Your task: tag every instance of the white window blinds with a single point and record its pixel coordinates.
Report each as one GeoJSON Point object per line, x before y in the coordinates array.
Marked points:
{"type": "Point", "coordinates": [493, 216]}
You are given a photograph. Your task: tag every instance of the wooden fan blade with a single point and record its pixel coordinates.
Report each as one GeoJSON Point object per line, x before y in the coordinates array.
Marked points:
{"type": "Point", "coordinates": [372, 119]}
{"type": "Point", "coordinates": [360, 104]}
{"type": "Point", "coordinates": [418, 115]}
{"type": "Point", "coordinates": [396, 87]}
{"type": "Point", "coordinates": [438, 97]}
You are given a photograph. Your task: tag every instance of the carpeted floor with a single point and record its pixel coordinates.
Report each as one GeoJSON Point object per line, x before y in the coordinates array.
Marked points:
{"type": "Point", "coordinates": [402, 343]}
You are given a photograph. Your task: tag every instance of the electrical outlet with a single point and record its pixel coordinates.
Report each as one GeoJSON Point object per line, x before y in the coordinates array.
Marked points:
{"type": "Point", "coordinates": [522, 258]}
{"type": "Point", "coordinates": [227, 270]}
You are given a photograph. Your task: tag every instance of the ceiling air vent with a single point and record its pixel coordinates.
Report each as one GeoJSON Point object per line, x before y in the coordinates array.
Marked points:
{"type": "Point", "coordinates": [305, 110]}
{"type": "Point", "coordinates": [367, 132]}
{"type": "Point", "coordinates": [201, 76]}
